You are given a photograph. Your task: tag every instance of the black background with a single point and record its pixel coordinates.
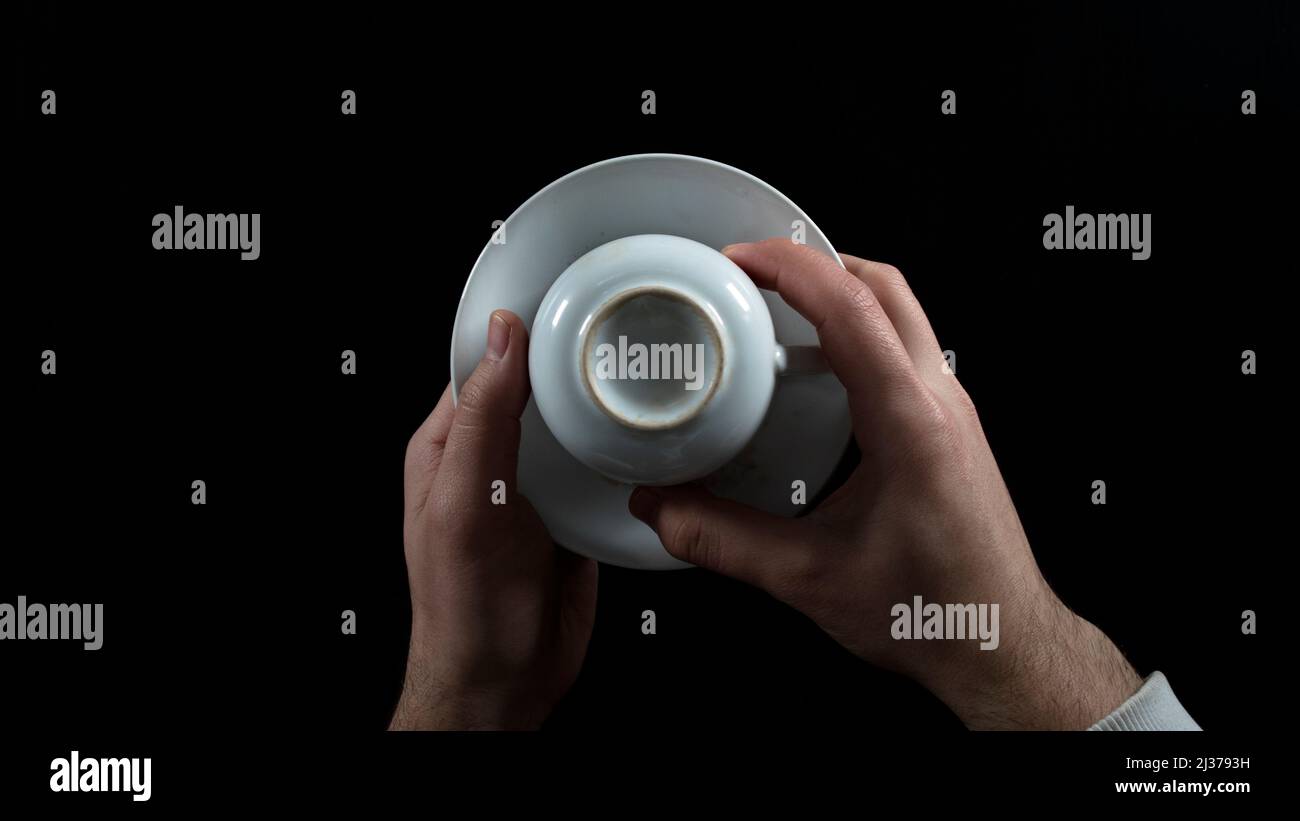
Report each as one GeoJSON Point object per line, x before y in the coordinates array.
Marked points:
{"type": "Point", "coordinates": [222, 621]}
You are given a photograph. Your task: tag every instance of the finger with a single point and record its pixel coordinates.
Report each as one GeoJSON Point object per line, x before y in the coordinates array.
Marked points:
{"type": "Point", "coordinates": [719, 535]}
{"type": "Point", "coordinates": [903, 310]}
{"type": "Point", "coordinates": [483, 443]}
{"type": "Point", "coordinates": [856, 335]}
{"type": "Point", "coordinates": [424, 450]}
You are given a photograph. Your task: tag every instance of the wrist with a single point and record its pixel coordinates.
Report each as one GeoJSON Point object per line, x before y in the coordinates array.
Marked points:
{"type": "Point", "coordinates": [457, 710]}
{"type": "Point", "coordinates": [1060, 673]}
{"type": "Point", "coordinates": [435, 697]}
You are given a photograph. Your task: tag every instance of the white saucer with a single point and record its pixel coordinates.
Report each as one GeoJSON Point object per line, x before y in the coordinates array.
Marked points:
{"type": "Point", "coordinates": [806, 428]}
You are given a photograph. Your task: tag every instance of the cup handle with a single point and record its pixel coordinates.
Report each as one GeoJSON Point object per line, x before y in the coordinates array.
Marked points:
{"type": "Point", "coordinates": [795, 359]}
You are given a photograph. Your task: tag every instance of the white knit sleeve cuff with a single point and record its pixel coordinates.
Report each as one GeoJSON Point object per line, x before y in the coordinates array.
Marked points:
{"type": "Point", "coordinates": [1153, 707]}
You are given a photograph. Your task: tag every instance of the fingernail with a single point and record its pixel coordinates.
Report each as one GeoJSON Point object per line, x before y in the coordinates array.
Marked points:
{"type": "Point", "coordinates": [644, 504]}
{"type": "Point", "coordinates": [498, 336]}
{"type": "Point", "coordinates": [732, 247]}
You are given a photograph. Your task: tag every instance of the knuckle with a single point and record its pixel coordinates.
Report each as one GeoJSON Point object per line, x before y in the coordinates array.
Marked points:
{"type": "Point", "coordinates": [475, 395]}
{"type": "Point", "coordinates": [692, 540]}
{"type": "Point", "coordinates": [897, 285]}
{"type": "Point", "coordinates": [949, 433]}
{"type": "Point", "coordinates": [949, 454]}
{"type": "Point", "coordinates": [472, 432]}
{"type": "Point", "coordinates": [892, 275]}
{"type": "Point", "coordinates": [964, 404]}
{"type": "Point", "coordinates": [803, 575]}
{"type": "Point", "coordinates": [939, 429]}
{"type": "Point", "coordinates": [858, 297]}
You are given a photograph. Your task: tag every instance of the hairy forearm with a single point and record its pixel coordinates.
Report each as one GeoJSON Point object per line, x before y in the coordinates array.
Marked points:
{"type": "Point", "coordinates": [430, 702]}
{"type": "Point", "coordinates": [1063, 674]}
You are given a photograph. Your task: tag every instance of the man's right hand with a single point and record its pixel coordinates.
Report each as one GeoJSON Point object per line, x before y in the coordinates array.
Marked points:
{"type": "Point", "coordinates": [926, 513]}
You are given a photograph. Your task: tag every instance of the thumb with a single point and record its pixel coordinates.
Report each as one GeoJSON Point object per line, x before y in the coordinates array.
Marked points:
{"type": "Point", "coordinates": [720, 535]}
{"type": "Point", "coordinates": [483, 443]}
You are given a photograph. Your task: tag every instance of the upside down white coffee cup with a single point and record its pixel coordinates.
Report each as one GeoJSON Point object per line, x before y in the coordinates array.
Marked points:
{"type": "Point", "coordinates": [653, 359]}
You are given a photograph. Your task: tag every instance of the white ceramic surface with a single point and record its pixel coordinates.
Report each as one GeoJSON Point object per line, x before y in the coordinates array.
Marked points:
{"type": "Point", "coordinates": [806, 428]}
{"type": "Point", "coordinates": [654, 289]}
